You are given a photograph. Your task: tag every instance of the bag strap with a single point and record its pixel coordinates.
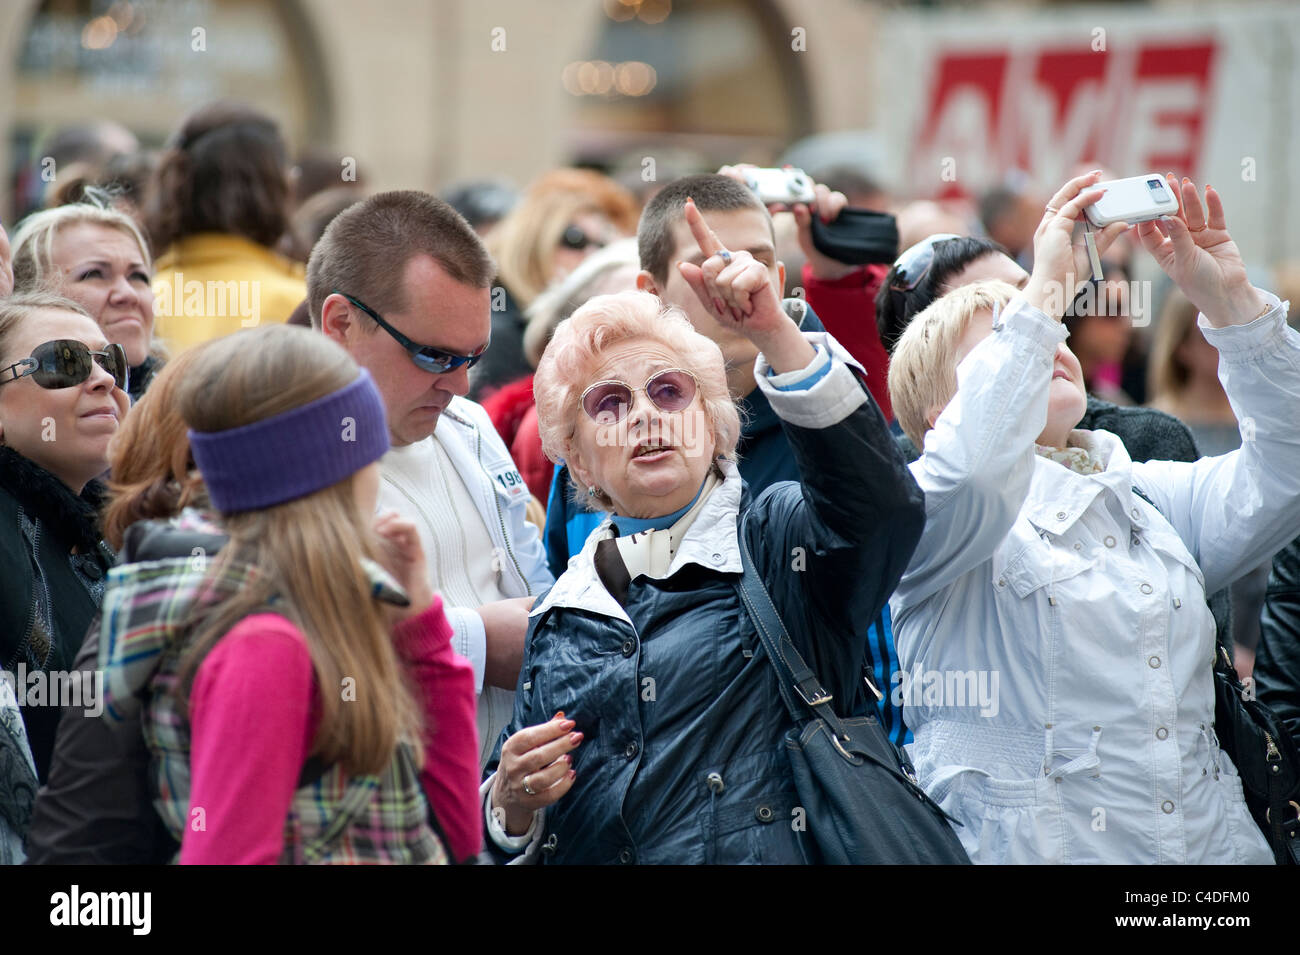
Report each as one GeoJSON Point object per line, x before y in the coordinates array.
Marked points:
{"type": "Point", "coordinates": [792, 672]}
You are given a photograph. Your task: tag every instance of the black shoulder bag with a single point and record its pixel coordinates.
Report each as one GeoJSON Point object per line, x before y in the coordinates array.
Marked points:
{"type": "Point", "coordinates": [860, 792]}
{"type": "Point", "coordinates": [1265, 756]}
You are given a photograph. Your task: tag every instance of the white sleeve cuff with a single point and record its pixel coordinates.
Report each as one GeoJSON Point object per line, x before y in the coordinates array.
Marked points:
{"type": "Point", "coordinates": [528, 844]}
{"type": "Point", "coordinates": [469, 639]}
{"type": "Point", "coordinates": [789, 379]}
{"type": "Point", "coordinates": [1256, 339]}
{"type": "Point", "coordinates": [829, 401]}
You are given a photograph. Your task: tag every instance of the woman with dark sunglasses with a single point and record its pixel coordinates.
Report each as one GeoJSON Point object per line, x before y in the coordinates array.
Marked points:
{"type": "Point", "coordinates": [648, 723]}
{"type": "Point", "coordinates": [563, 217]}
{"type": "Point", "coordinates": [62, 396]}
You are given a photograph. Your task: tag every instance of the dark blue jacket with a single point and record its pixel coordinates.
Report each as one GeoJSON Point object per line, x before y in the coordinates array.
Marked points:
{"type": "Point", "coordinates": [666, 685]}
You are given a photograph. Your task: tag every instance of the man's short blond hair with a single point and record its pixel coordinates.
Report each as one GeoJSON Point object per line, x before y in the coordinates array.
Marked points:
{"type": "Point", "coordinates": [923, 368]}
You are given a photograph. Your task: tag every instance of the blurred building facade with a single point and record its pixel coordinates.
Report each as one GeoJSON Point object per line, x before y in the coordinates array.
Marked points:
{"type": "Point", "coordinates": [938, 100]}
{"type": "Point", "coordinates": [423, 92]}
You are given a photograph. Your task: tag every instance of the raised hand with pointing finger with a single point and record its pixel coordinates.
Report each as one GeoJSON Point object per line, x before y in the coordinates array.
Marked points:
{"type": "Point", "coordinates": [738, 291]}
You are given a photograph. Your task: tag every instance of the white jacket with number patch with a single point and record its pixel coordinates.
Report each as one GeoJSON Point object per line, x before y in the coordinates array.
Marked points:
{"type": "Point", "coordinates": [518, 560]}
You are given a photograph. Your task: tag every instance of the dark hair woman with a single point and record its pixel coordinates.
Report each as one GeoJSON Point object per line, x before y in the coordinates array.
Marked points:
{"type": "Point", "coordinates": [218, 205]}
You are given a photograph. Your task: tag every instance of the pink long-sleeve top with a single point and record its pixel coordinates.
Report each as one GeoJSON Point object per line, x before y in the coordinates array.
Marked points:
{"type": "Point", "coordinates": [254, 711]}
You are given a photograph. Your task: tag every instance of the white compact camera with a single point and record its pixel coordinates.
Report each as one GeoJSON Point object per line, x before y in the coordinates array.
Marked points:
{"type": "Point", "coordinates": [787, 185]}
{"type": "Point", "coordinates": [1132, 200]}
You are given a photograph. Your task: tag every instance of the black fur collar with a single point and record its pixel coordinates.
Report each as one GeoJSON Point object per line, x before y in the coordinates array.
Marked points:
{"type": "Point", "coordinates": [142, 376]}
{"type": "Point", "coordinates": [75, 520]}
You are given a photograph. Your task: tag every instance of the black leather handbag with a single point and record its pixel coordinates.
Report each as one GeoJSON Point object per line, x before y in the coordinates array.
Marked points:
{"type": "Point", "coordinates": [863, 803]}
{"type": "Point", "coordinates": [1265, 756]}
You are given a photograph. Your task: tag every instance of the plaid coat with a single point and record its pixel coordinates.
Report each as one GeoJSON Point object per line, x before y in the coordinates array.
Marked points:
{"type": "Point", "coordinates": [333, 818]}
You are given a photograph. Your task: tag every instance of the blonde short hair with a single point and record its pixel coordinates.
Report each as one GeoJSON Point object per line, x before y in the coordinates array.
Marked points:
{"type": "Point", "coordinates": [923, 368]}
{"type": "Point", "coordinates": [33, 241]}
{"type": "Point", "coordinates": [575, 351]}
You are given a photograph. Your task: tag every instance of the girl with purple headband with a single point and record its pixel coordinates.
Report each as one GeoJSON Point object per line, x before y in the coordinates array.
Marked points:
{"type": "Point", "coordinates": [300, 704]}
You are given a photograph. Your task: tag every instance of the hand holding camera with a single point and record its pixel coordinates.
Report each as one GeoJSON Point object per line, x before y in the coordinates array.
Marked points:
{"type": "Point", "coordinates": [738, 291]}
{"type": "Point", "coordinates": [834, 239]}
{"type": "Point", "coordinates": [1059, 265]}
{"type": "Point", "coordinates": [1194, 249]}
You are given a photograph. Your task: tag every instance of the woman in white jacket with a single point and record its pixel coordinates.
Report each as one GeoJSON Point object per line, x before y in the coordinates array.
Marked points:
{"type": "Point", "coordinates": [1070, 581]}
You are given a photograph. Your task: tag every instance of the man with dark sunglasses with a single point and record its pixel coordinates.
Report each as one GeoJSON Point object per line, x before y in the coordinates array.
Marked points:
{"type": "Point", "coordinates": [402, 282]}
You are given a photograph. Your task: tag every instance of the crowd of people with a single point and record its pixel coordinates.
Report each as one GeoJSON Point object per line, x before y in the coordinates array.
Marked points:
{"type": "Point", "coordinates": [341, 526]}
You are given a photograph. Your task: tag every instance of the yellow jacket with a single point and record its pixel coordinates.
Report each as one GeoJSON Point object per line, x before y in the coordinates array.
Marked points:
{"type": "Point", "coordinates": [211, 284]}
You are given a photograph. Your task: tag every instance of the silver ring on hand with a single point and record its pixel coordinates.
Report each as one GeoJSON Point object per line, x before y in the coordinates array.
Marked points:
{"type": "Point", "coordinates": [1053, 211]}
{"type": "Point", "coordinates": [529, 789]}
{"type": "Point", "coordinates": [724, 255]}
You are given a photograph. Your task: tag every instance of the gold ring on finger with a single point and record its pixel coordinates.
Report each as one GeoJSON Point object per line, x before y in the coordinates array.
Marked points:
{"type": "Point", "coordinates": [529, 789]}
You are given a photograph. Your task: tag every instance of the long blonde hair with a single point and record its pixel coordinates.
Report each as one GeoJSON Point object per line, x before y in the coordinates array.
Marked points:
{"type": "Point", "coordinates": [307, 551]}
{"type": "Point", "coordinates": [1167, 375]}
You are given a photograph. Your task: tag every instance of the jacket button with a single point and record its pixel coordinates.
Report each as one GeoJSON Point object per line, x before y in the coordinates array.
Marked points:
{"type": "Point", "coordinates": [1145, 588]}
{"type": "Point", "coordinates": [1167, 807]}
{"type": "Point", "coordinates": [625, 855]}
{"type": "Point", "coordinates": [550, 845]}
{"type": "Point", "coordinates": [1110, 541]}
{"type": "Point", "coordinates": [764, 814]}
{"type": "Point", "coordinates": [717, 558]}
{"type": "Point", "coordinates": [1136, 540]}
{"type": "Point", "coordinates": [1002, 581]}
{"type": "Point", "coordinates": [629, 647]}
{"type": "Point", "coordinates": [1162, 733]}
{"type": "Point", "coordinates": [1136, 513]}
{"type": "Point", "coordinates": [1061, 515]}
{"type": "Point", "coordinates": [715, 783]}
{"type": "Point", "coordinates": [92, 570]}
{"type": "Point", "coordinates": [630, 750]}
{"type": "Point", "coordinates": [1154, 663]}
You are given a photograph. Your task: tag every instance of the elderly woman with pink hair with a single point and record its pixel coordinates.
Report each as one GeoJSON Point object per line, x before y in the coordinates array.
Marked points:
{"type": "Point", "coordinates": [648, 723]}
